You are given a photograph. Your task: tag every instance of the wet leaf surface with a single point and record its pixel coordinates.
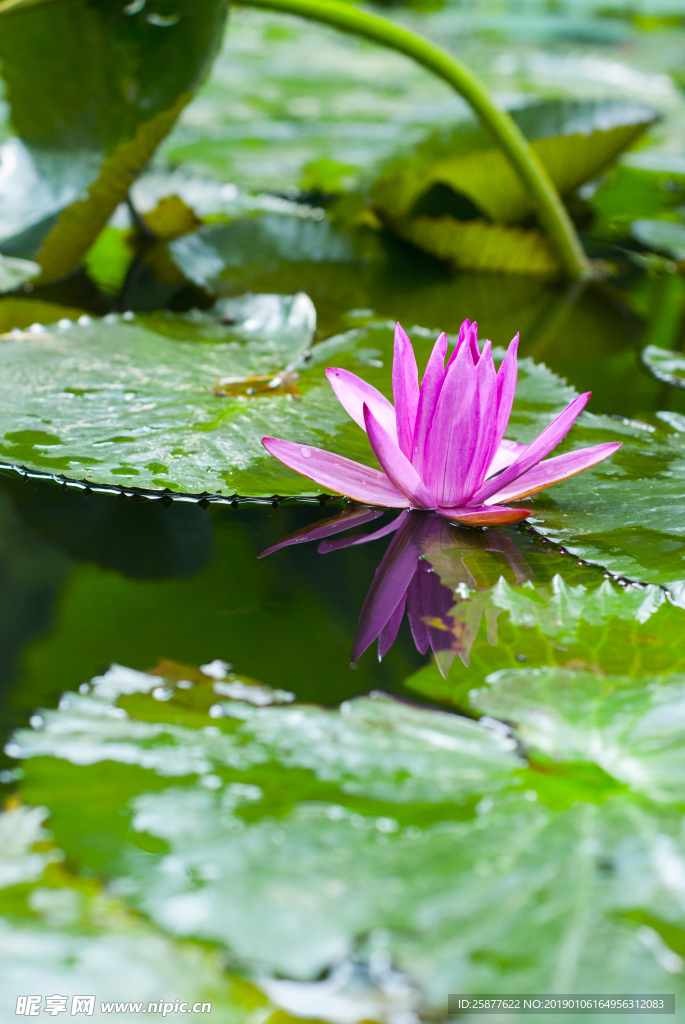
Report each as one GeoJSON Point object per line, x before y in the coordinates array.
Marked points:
{"type": "Point", "coordinates": [183, 401]}
{"type": "Point", "coordinates": [300, 837]}
{"type": "Point", "coordinates": [65, 934]}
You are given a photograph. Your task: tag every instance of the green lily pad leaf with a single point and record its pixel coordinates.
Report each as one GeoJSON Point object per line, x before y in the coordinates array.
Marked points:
{"type": "Point", "coordinates": [60, 934]}
{"type": "Point", "coordinates": [260, 241]}
{"type": "Point", "coordinates": [642, 185]}
{"type": "Point", "coordinates": [451, 902]}
{"type": "Point", "coordinates": [182, 401]}
{"type": "Point", "coordinates": [14, 273]}
{"type": "Point", "coordinates": [464, 179]}
{"type": "Point", "coordinates": [155, 400]}
{"type": "Point", "coordinates": [574, 140]}
{"type": "Point", "coordinates": [577, 621]}
{"type": "Point", "coordinates": [310, 844]}
{"type": "Point", "coordinates": [666, 366]}
{"type": "Point", "coordinates": [661, 235]}
{"type": "Point", "coordinates": [375, 747]}
{"type": "Point", "coordinates": [630, 728]}
{"type": "Point", "coordinates": [480, 245]}
{"type": "Point", "coordinates": [82, 139]}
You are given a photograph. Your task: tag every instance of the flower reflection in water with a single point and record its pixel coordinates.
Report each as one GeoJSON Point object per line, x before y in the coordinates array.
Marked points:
{"type": "Point", "coordinates": [432, 568]}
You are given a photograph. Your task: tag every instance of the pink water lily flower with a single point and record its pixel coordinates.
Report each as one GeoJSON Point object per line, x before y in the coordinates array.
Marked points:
{"type": "Point", "coordinates": [442, 446]}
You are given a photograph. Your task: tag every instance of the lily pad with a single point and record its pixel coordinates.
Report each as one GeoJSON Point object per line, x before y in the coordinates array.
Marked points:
{"type": "Point", "coordinates": [61, 934]}
{"type": "Point", "coordinates": [643, 185]}
{"type": "Point", "coordinates": [661, 235]}
{"type": "Point", "coordinates": [299, 838]}
{"type": "Point", "coordinates": [631, 729]}
{"type": "Point", "coordinates": [182, 402]}
{"type": "Point", "coordinates": [83, 138]}
{"type": "Point", "coordinates": [465, 185]}
{"type": "Point", "coordinates": [666, 366]}
{"type": "Point", "coordinates": [14, 273]}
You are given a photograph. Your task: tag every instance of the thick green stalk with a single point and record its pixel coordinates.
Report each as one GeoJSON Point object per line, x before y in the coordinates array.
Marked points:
{"type": "Point", "coordinates": [551, 210]}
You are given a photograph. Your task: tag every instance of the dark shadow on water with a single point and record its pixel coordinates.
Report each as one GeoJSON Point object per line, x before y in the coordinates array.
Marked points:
{"type": "Point", "coordinates": [86, 581]}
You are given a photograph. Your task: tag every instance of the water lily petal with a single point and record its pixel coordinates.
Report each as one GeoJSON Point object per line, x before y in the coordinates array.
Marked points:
{"type": "Point", "coordinates": [358, 538]}
{"type": "Point", "coordinates": [351, 516]}
{"type": "Point", "coordinates": [551, 471]}
{"type": "Point", "coordinates": [468, 333]}
{"type": "Point", "coordinates": [506, 386]}
{"type": "Point", "coordinates": [390, 583]}
{"type": "Point", "coordinates": [487, 441]}
{"type": "Point", "coordinates": [507, 453]}
{"type": "Point", "coordinates": [452, 440]}
{"type": "Point", "coordinates": [536, 451]}
{"type": "Point", "coordinates": [352, 392]}
{"type": "Point", "coordinates": [484, 515]}
{"type": "Point", "coordinates": [336, 473]}
{"type": "Point", "coordinates": [395, 464]}
{"type": "Point", "coordinates": [428, 397]}
{"type": "Point", "coordinates": [388, 635]}
{"type": "Point", "coordinates": [405, 390]}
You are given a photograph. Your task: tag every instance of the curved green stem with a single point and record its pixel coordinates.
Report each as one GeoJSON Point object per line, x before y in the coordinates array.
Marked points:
{"type": "Point", "coordinates": [551, 210]}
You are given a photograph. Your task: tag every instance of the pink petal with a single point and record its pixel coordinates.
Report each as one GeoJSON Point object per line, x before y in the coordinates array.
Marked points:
{"type": "Point", "coordinates": [551, 471]}
{"type": "Point", "coordinates": [536, 451]}
{"type": "Point", "coordinates": [487, 441]}
{"type": "Point", "coordinates": [345, 520]}
{"type": "Point", "coordinates": [472, 338]}
{"type": "Point", "coordinates": [394, 463]}
{"type": "Point", "coordinates": [507, 453]}
{"type": "Point", "coordinates": [347, 542]}
{"type": "Point", "coordinates": [405, 390]}
{"type": "Point", "coordinates": [469, 515]}
{"type": "Point", "coordinates": [428, 397]}
{"type": "Point", "coordinates": [388, 635]}
{"type": "Point", "coordinates": [452, 440]}
{"type": "Point", "coordinates": [466, 331]}
{"type": "Point", "coordinates": [336, 473]}
{"type": "Point", "coordinates": [506, 386]}
{"type": "Point", "coordinates": [390, 583]}
{"type": "Point", "coordinates": [352, 392]}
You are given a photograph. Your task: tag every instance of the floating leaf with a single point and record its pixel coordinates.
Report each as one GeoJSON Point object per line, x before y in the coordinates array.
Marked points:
{"type": "Point", "coordinates": [14, 272]}
{"type": "Point", "coordinates": [661, 235]}
{"type": "Point", "coordinates": [83, 138]}
{"type": "Point", "coordinates": [573, 140]}
{"type": "Point", "coordinates": [311, 836]}
{"type": "Point", "coordinates": [642, 186]}
{"type": "Point", "coordinates": [630, 728]}
{"type": "Point", "coordinates": [61, 934]}
{"type": "Point", "coordinates": [480, 245]}
{"type": "Point", "coordinates": [669, 367]}
{"type": "Point", "coordinates": [461, 178]}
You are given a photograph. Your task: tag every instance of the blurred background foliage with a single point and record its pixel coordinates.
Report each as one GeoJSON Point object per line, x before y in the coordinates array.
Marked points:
{"type": "Point", "coordinates": [207, 838]}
